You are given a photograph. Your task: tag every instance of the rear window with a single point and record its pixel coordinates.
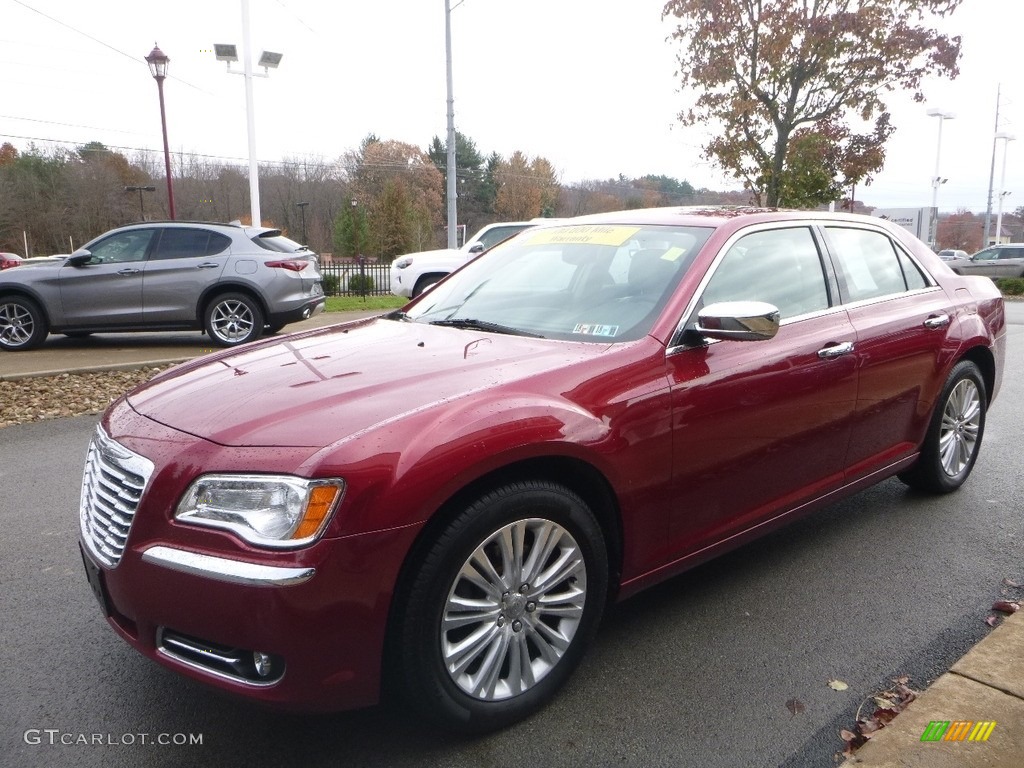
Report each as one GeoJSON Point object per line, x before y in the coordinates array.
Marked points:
{"type": "Point", "coordinates": [275, 241]}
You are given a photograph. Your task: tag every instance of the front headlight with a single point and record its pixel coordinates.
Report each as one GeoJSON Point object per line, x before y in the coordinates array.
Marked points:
{"type": "Point", "coordinates": [403, 262]}
{"type": "Point", "coordinates": [265, 510]}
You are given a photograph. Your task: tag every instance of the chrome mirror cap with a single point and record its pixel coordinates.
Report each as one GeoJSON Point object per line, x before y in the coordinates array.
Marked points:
{"type": "Point", "coordinates": [738, 321]}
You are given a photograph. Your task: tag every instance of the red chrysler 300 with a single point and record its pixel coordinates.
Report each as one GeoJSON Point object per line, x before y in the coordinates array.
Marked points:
{"type": "Point", "coordinates": [449, 495]}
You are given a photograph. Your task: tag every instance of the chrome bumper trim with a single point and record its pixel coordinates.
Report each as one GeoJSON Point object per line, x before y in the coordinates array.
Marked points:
{"type": "Point", "coordinates": [223, 569]}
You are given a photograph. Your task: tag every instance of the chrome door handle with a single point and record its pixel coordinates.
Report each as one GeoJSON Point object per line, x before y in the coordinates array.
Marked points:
{"type": "Point", "coordinates": [836, 350]}
{"type": "Point", "coordinates": [128, 271]}
{"type": "Point", "coordinates": [207, 265]}
{"type": "Point", "coordinates": [937, 321]}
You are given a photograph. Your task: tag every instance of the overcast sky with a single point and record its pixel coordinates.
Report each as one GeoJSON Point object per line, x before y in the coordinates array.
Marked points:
{"type": "Point", "coordinates": [588, 84]}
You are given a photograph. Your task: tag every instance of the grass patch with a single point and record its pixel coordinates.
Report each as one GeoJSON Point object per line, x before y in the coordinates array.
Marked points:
{"type": "Point", "coordinates": [353, 303]}
{"type": "Point", "coordinates": [1010, 286]}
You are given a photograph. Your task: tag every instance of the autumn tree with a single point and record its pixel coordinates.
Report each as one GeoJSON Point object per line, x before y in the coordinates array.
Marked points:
{"type": "Point", "coordinates": [527, 188]}
{"type": "Point", "coordinates": [962, 230]}
{"type": "Point", "coordinates": [782, 78]}
{"type": "Point", "coordinates": [475, 189]}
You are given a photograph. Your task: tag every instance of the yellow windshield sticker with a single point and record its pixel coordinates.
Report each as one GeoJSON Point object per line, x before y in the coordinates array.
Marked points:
{"type": "Point", "coordinates": [593, 234]}
{"type": "Point", "coordinates": [673, 254]}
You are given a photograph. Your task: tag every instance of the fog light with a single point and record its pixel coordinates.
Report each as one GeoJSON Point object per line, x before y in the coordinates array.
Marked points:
{"type": "Point", "coordinates": [262, 662]}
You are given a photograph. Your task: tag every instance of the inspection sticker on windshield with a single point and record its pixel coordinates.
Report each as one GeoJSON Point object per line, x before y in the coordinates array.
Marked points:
{"type": "Point", "coordinates": [596, 330]}
{"type": "Point", "coordinates": [595, 234]}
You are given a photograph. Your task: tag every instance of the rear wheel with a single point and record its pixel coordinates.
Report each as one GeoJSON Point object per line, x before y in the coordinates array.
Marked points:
{"type": "Point", "coordinates": [502, 607]}
{"type": "Point", "coordinates": [954, 436]}
{"type": "Point", "coordinates": [22, 324]}
{"type": "Point", "coordinates": [232, 319]}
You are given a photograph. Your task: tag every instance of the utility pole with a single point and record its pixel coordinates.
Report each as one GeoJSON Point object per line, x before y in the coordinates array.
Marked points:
{"type": "Point", "coordinates": [992, 172]}
{"type": "Point", "coordinates": [453, 219]}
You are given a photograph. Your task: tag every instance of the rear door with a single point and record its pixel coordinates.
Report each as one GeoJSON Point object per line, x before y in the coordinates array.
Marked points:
{"type": "Point", "coordinates": [107, 291]}
{"type": "Point", "coordinates": [182, 264]}
{"type": "Point", "coordinates": [902, 321]}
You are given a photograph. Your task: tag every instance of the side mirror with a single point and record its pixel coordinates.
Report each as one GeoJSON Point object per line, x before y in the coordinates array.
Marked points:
{"type": "Point", "coordinates": [476, 248]}
{"type": "Point", "coordinates": [738, 321]}
{"type": "Point", "coordinates": [78, 258]}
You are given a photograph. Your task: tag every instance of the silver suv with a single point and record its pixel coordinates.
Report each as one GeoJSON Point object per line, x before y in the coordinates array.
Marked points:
{"type": "Point", "coordinates": [229, 280]}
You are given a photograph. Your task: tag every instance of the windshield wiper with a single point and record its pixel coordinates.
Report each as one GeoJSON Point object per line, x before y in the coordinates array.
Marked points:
{"type": "Point", "coordinates": [483, 325]}
{"type": "Point", "coordinates": [398, 315]}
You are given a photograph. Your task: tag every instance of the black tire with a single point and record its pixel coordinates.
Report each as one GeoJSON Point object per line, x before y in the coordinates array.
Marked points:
{"type": "Point", "coordinates": [425, 282]}
{"type": "Point", "coordinates": [954, 436]}
{"type": "Point", "coordinates": [232, 319]}
{"type": "Point", "coordinates": [22, 324]}
{"type": "Point", "coordinates": [550, 635]}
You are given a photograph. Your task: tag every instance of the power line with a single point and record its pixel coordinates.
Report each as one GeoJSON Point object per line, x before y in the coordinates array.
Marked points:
{"type": "Point", "coordinates": [67, 125]}
{"type": "Point", "coordinates": [136, 59]}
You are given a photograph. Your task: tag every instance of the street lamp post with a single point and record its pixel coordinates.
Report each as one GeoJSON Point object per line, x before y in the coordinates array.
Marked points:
{"type": "Point", "coordinates": [158, 63]}
{"type": "Point", "coordinates": [937, 180]}
{"type": "Point", "coordinates": [140, 190]}
{"type": "Point", "coordinates": [268, 60]}
{"type": "Point", "coordinates": [1007, 138]}
{"type": "Point", "coordinates": [302, 208]}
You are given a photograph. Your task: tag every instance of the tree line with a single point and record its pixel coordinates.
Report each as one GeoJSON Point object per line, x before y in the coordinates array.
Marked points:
{"type": "Point", "coordinates": [381, 200]}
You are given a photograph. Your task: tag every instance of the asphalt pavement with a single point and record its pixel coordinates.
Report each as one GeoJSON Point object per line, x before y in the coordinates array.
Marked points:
{"type": "Point", "coordinates": [973, 715]}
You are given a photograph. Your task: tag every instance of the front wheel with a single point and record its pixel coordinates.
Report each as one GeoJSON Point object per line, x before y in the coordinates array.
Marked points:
{"type": "Point", "coordinates": [954, 437]}
{"type": "Point", "coordinates": [232, 319]}
{"type": "Point", "coordinates": [502, 607]}
{"type": "Point", "coordinates": [22, 324]}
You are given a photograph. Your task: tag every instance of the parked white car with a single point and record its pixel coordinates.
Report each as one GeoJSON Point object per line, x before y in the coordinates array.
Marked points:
{"type": "Point", "coordinates": [413, 273]}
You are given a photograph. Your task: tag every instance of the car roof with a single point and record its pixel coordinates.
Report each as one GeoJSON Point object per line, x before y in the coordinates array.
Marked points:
{"type": "Point", "coordinates": [716, 216]}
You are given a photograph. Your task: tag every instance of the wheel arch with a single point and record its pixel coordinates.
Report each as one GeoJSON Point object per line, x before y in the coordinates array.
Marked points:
{"type": "Point", "coordinates": [219, 289]}
{"type": "Point", "coordinates": [579, 476]}
{"type": "Point", "coordinates": [986, 362]}
{"type": "Point", "coordinates": [21, 292]}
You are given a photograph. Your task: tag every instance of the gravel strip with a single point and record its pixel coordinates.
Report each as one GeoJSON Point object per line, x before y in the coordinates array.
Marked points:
{"type": "Point", "coordinates": [69, 394]}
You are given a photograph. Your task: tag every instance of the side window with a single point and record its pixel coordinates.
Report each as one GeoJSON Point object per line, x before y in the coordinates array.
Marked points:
{"type": "Point", "coordinates": [1011, 253]}
{"type": "Point", "coordinates": [987, 255]}
{"type": "Point", "coordinates": [915, 279]}
{"type": "Point", "coordinates": [868, 263]}
{"type": "Point", "coordinates": [184, 243]}
{"type": "Point", "coordinates": [780, 266]}
{"type": "Point", "coordinates": [122, 247]}
{"type": "Point", "coordinates": [496, 235]}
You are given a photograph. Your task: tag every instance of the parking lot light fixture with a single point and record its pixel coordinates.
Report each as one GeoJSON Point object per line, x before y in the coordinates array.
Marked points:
{"type": "Point", "coordinates": [1006, 138]}
{"type": "Point", "coordinates": [937, 180]}
{"type": "Point", "coordinates": [158, 63]}
{"type": "Point", "coordinates": [228, 52]}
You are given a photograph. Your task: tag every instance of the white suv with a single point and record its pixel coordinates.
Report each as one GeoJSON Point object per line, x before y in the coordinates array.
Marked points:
{"type": "Point", "coordinates": [413, 273]}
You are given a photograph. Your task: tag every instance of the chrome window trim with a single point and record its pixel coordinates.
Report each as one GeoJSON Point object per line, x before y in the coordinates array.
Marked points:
{"type": "Point", "coordinates": [224, 569]}
{"type": "Point", "coordinates": [808, 224]}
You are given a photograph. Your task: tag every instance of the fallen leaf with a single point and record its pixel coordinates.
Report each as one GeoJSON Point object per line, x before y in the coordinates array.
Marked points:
{"type": "Point", "coordinates": [1005, 606]}
{"type": "Point", "coordinates": [837, 685]}
{"type": "Point", "coordinates": [992, 620]}
{"type": "Point", "coordinates": [884, 703]}
{"type": "Point", "coordinates": [795, 706]}
{"type": "Point", "coordinates": [848, 735]}
{"type": "Point", "coordinates": [1013, 584]}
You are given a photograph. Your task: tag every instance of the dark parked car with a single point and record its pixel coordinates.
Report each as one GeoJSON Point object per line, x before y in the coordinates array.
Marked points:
{"type": "Point", "coordinates": [446, 498]}
{"type": "Point", "coordinates": [229, 280]}
{"type": "Point", "coordinates": [994, 261]}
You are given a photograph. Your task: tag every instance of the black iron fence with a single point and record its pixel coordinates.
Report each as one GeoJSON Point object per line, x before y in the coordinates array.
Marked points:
{"type": "Point", "coordinates": [350, 278]}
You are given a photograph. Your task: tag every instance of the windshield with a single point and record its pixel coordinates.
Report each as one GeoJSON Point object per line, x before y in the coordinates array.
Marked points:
{"type": "Point", "coordinates": [600, 283]}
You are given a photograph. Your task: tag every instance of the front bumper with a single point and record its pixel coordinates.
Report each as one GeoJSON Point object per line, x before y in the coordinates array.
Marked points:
{"type": "Point", "coordinates": [203, 603]}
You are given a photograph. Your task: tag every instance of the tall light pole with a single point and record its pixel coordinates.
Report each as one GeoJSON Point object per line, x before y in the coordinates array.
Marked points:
{"type": "Point", "coordinates": [268, 60]}
{"type": "Point", "coordinates": [1007, 138]}
{"type": "Point", "coordinates": [453, 219]}
{"type": "Point", "coordinates": [992, 169]}
{"type": "Point", "coordinates": [158, 63]}
{"type": "Point", "coordinates": [937, 180]}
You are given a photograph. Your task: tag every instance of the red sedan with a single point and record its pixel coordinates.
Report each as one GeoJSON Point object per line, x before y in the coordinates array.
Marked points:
{"type": "Point", "coordinates": [446, 498]}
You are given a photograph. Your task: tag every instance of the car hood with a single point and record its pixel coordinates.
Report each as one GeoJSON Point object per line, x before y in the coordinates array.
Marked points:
{"type": "Point", "coordinates": [314, 388]}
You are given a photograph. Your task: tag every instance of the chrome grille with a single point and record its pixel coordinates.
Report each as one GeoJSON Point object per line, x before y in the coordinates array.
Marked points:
{"type": "Point", "coordinates": [112, 484]}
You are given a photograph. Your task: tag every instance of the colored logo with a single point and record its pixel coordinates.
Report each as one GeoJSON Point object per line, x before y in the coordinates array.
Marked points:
{"type": "Point", "coordinates": [958, 730]}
